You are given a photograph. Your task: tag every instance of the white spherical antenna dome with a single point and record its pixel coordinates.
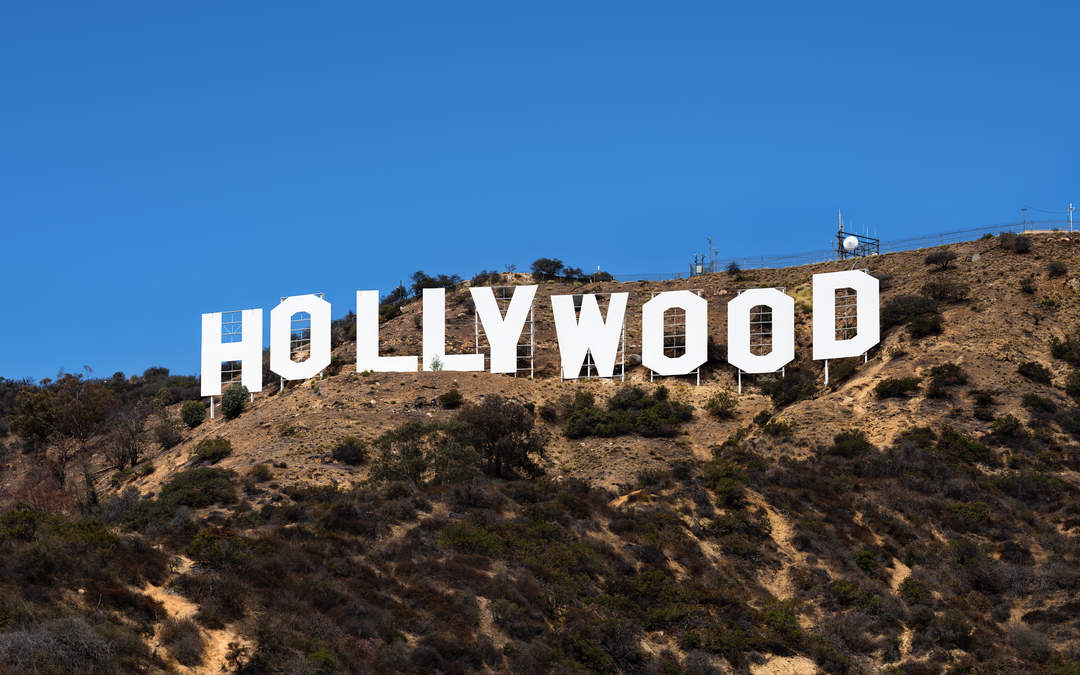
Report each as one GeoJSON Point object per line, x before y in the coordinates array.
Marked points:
{"type": "Point", "coordinates": [851, 243]}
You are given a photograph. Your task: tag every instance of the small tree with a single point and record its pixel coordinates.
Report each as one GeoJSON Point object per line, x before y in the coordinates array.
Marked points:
{"type": "Point", "coordinates": [192, 413]}
{"type": "Point", "coordinates": [733, 268]}
{"type": "Point", "coordinates": [941, 259]}
{"type": "Point", "coordinates": [234, 401]}
{"type": "Point", "coordinates": [546, 268]}
{"type": "Point", "coordinates": [502, 433]}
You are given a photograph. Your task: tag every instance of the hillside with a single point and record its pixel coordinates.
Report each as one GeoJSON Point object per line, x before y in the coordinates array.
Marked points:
{"type": "Point", "coordinates": [921, 514]}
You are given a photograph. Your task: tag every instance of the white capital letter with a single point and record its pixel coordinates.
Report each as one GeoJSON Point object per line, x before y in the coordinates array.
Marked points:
{"type": "Point", "coordinates": [593, 333]}
{"type": "Point", "coordinates": [503, 333]}
{"type": "Point", "coordinates": [281, 337]}
{"type": "Point", "coordinates": [782, 308]}
{"type": "Point", "coordinates": [652, 333]}
{"type": "Point", "coordinates": [435, 336]}
{"type": "Point", "coordinates": [367, 339]}
{"type": "Point", "coordinates": [868, 331]}
{"type": "Point", "coordinates": [248, 351]}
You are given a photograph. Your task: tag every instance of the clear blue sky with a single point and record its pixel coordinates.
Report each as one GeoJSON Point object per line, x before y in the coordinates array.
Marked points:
{"type": "Point", "coordinates": [159, 160]}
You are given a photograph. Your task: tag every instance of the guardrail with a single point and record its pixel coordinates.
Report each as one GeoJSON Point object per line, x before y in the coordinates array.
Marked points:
{"type": "Point", "coordinates": [825, 255]}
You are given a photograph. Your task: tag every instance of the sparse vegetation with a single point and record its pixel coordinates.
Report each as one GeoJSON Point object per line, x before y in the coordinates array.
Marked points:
{"type": "Point", "coordinates": [460, 555]}
{"type": "Point", "coordinates": [1056, 268]}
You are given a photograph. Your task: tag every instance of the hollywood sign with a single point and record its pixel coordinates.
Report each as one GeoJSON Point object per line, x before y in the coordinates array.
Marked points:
{"type": "Point", "coordinates": [579, 333]}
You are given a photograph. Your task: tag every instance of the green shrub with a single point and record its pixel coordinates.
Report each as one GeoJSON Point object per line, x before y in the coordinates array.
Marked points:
{"type": "Point", "coordinates": [1072, 384]}
{"type": "Point", "coordinates": [192, 413]}
{"type": "Point", "coordinates": [1067, 350]}
{"type": "Point", "coordinates": [727, 481]}
{"type": "Point", "coordinates": [946, 290]}
{"type": "Point", "coordinates": [468, 537]}
{"type": "Point", "coordinates": [549, 412]}
{"type": "Point", "coordinates": [955, 445]}
{"type": "Point", "coordinates": [200, 487]}
{"type": "Point", "coordinates": [944, 376]}
{"type": "Point", "coordinates": [925, 325]}
{"type": "Point", "coordinates": [1056, 268]}
{"type": "Point", "coordinates": [629, 411]}
{"type": "Point", "coordinates": [1027, 284]}
{"type": "Point", "coordinates": [1038, 404]}
{"type": "Point", "coordinates": [213, 450]}
{"type": "Point", "coordinates": [1036, 372]}
{"type": "Point", "coordinates": [166, 433]}
{"type": "Point", "coordinates": [849, 444]}
{"type": "Point", "coordinates": [776, 427]}
{"type": "Point", "coordinates": [233, 401]}
{"type": "Point", "coordinates": [1016, 243]}
{"type": "Point", "coordinates": [796, 385]}
{"type": "Point", "coordinates": [897, 387]}
{"type": "Point", "coordinates": [350, 450]}
{"type": "Point", "coordinates": [722, 404]}
{"type": "Point", "coordinates": [1007, 426]}
{"type": "Point", "coordinates": [915, 591]}
{"type": "Point", "coordinates": [451, 399]}
{"type": "Point", "coordinates": [902, 309]}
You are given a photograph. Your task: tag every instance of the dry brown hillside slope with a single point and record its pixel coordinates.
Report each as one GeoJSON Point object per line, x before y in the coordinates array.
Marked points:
{"type": "Point", "coordinates": [989, 336]}
{"type": "Point", "coordinates": [775, 551]}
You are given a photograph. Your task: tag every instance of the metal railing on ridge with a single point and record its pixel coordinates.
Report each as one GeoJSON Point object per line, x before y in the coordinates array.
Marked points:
{"type": "Point", "coordinates": [826, 255]}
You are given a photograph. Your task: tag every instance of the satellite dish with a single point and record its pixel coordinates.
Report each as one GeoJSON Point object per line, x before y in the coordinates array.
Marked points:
{"type": "Point", "coordinates": [851, 243]}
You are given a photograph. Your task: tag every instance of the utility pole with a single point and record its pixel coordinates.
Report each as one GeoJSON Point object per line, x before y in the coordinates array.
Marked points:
{"type": "Point", "coordinates": [1023, 213]}
{"type": "Point", "coordinates": [1070, 216]}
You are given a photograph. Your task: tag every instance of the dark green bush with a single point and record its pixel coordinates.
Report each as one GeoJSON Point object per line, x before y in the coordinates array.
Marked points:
{"type": "Point", "coordinates": [850, 444]}
{"type": "Point", "coordinates": [1036, 372]}
{"type": "Point", "coordinates": [350, 450]}
{"type": "Point", "coordinates": [192, 413]}
{"type": "Point", "coordinates": [897, 387]}
{"type": "Point", "coordinates": [796, 385]}
{"type": "Point", "coordinates": [1038, 404]}
{"type": "Point", "coordinates": [925, 325]}
{"type": "Point", "coordinates": [1007, 426]}
{"type": "Point", "coordinates": [1027, 284]}
{"type": "Point", "coordinates": [1072, 384]}
{"type": "Point", "coordinates": [957, 446]}
{"type": "Point", "coordinates": [629, 411]}
{"type": "Point", "coordinates": [233, 401]}
{"type": "Point", "coordinates": [1067, 350]}
{"type": "Point", "coordinates": [944, 376]}
{"type": "Point", "coordinates": [451, 399]}
{"type": "Point", "coordinates": [1056, 268]}
{"type": "Point", "coordinates": [902, 309]}
{"type": "Point", "coordinates": [200, 487]}
{"type": "Point", "coordinates": [213, 450]}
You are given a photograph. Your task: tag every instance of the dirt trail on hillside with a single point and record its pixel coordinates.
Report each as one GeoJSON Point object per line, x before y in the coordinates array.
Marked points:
{"type": "Point", "coordinates": [216, 642]}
